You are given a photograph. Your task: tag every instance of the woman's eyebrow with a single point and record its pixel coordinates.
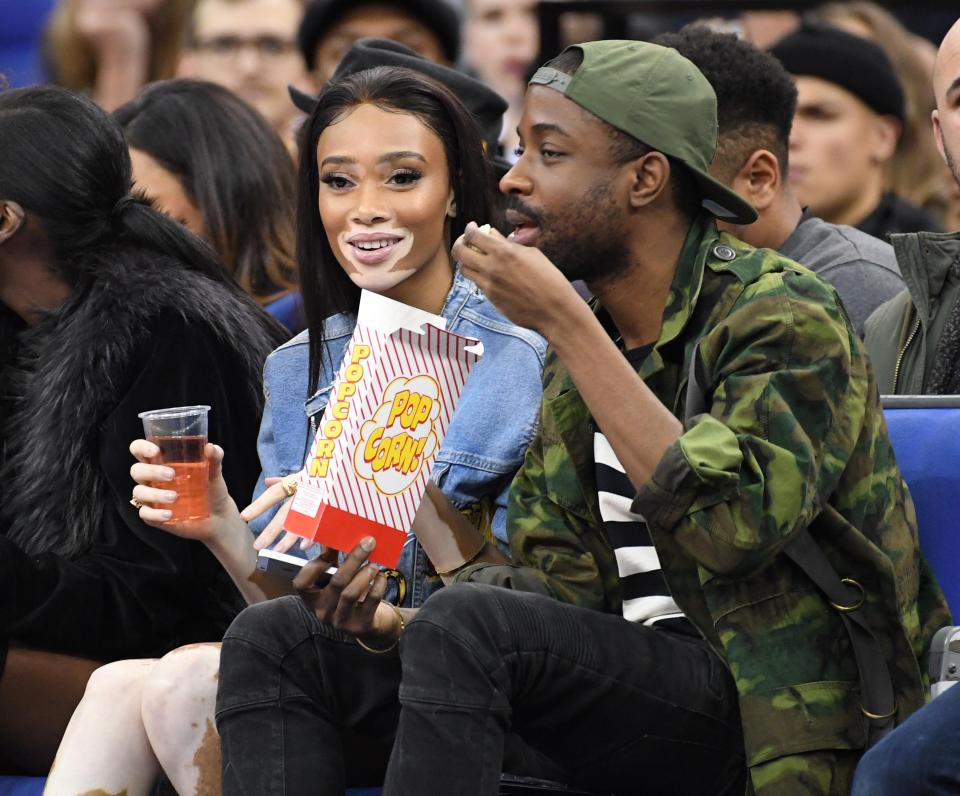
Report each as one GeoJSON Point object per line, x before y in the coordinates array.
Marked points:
{"type": "Point", "coordinates": [401, 155]}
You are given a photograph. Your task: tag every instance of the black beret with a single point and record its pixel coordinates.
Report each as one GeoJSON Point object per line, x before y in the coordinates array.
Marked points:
{"type": "Point", "coordinates": [852, 62]}
{"type": "Point", "coordinates": [483, 102]}
{"type": "Point", "coordinates": [436, 15]}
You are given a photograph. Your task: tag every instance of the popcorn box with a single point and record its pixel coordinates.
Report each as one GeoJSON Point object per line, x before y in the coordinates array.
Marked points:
{"type": "Point", "coordinates": [384, 423]}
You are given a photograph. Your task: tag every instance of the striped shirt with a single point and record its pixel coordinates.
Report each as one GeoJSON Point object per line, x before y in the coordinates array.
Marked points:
{"type": "Point", "coordinates": [646, 596]}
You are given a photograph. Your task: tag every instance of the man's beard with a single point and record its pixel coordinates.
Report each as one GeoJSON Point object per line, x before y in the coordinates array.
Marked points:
{"type": "Point", "coordinates": [586, 240]}
{"type": "Point", "coordinates": [951, 163]}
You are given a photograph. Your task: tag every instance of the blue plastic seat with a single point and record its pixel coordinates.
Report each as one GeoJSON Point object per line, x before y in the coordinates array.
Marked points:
{"type": "Point", "coordinates": [925, 432]}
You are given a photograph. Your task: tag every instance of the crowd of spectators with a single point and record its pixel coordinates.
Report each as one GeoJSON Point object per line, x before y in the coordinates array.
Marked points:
{"type": "Point", "coordinates": [681, 560]}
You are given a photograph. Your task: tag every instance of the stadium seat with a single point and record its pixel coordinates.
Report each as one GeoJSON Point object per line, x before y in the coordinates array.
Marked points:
{"type": "Point", "coordinates": [925, 432]}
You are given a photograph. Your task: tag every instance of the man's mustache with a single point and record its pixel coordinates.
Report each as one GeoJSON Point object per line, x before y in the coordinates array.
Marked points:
{"type": "Point", "coordinates": [514, 203]}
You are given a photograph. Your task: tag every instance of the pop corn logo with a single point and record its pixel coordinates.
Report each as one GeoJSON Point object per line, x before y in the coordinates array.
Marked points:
{"type": "Point", "coordinates": [400, 436]}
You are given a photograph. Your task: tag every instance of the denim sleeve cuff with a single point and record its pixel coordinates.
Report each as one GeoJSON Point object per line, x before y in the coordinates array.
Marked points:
{"type": "Point", "coordinates": [699, 470]}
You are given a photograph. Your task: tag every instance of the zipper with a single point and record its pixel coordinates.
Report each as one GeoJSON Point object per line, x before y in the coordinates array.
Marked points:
{"type": "Point", "coordinates": [903, 351]}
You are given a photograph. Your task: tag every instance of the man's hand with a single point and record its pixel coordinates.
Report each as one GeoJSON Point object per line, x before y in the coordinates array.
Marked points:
{"type": "Point", "coordinates": [521, 282]}
{"type": "Point", "coordinates": [351, 601]}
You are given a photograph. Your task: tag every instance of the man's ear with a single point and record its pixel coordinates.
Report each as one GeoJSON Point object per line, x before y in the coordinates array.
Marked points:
{"type": "Point", "coordinates": [649, 176]}
{"type": "Point", "coordinates": [938, 134]}
{"type": "Point", "coordinates": [759, 179]}
{"type": "Point", "coordinates": [11, 219]}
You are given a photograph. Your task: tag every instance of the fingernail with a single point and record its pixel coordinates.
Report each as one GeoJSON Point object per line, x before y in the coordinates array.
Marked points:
{"type": "Point", "coordinates": [167, 474]}
{"type": "Point", "coordinates": [166, 515]}
{"type": "Point", "coordinates": [169, 497]}
{"type": "Point", "coordinates": [368, 543]}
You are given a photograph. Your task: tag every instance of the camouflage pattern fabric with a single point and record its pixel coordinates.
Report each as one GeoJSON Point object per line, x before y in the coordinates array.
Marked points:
{"type": "Point", "coordinates": [795, 437]}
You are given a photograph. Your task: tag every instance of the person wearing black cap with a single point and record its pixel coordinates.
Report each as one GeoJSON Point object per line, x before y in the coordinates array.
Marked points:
{"type": "Point", "coordinates": [485, 104]}
{"type": "Point", "coordinates": [850, 112]}
{"type": "Point", "coordinates": [330, 27]}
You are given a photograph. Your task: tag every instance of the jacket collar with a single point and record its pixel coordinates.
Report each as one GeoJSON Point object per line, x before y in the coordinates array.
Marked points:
{"type": "Point", "coordinates": [925, 259]}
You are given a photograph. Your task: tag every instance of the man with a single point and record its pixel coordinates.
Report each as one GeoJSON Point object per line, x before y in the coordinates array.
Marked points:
{"type": "Point", "coordinates": [850, 113]}
{"type": "Point", "coordinates": [429, 27]}
{"type": "Point", "coordinates": [914, 339]}
{"type": "Point", "coordinates": [501, 40]}
{"type": "Point", "coordinates": [249, 47]}
{"type": "Point", "coordinates": [756, 100]}
{"type": "Point", "coordinates": [637, 629]}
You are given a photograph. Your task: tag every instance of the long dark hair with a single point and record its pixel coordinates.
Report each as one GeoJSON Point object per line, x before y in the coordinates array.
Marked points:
{"type": "Point", "coordinates": [327, 290]}
{"type": "Point", "coordinates": [66, 162]}
{"type": "Point", "coordinates": [234, 168]}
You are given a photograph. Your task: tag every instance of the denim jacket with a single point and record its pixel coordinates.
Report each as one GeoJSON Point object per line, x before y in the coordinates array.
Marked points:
{"type": "Point", "coordinates": [494, 421]}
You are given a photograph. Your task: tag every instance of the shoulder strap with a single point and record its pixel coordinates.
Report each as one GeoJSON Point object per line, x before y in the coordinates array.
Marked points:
{"type": "Point", "coordinates": [877, 697]}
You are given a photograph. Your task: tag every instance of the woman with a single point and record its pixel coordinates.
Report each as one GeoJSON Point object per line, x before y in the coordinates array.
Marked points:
{"type": "Point", "coordinates": [205, 157]}
{"type": "Point", "coordinates": [107, 308]}
{"type": "Point", "coordinates": [111, 48]}
{"type": "Point", "coordinates": [393, 157]}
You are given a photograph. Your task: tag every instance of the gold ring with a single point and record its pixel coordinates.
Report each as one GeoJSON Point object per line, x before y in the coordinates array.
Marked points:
{"type": "Point", "coordinates": [290, 484]}
{"type": "Point", "coordinates": [136, 503]}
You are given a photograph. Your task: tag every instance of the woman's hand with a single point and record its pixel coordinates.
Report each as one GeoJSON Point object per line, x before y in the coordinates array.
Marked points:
{"type": "Point", "coordinates": [351, 601]}
{"type": "Point", "coordinates": [270, 497]}
{"type": "Point", "coordinates": [150, 476]}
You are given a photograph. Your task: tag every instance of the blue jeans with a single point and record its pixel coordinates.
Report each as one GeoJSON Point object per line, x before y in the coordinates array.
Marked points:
{"type": "Point", "coordinates": [486, 680]}
{"type": "Point", "coordinates": [920, 757]}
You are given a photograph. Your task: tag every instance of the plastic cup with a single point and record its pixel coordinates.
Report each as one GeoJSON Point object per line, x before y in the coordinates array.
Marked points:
{"type": "Point", "coordinates": [181, 435]}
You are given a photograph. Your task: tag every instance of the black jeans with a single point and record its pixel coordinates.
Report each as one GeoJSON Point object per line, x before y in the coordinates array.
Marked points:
{"type": "Point", "coordinates": [486, 680]}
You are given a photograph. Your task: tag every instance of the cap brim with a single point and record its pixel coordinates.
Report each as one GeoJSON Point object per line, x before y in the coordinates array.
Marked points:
{"type": "Point", "coordinates": [720, 201]}
{"type": "Point", "coordinates": [305, 102]}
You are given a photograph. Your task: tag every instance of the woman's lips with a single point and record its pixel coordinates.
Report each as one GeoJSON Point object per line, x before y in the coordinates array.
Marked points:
{"type": "Point", "coordinates": [374, 256]}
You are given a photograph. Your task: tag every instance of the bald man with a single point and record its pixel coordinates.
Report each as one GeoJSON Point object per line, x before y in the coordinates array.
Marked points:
{"type": "Point", "coordinates": [922, 756]}
{"type": "Point", "coordinates": [914, 339]}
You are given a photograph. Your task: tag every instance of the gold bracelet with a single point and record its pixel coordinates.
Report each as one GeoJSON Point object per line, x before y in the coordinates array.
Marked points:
{"type": "Point", "coordinates": [396, 641]}
{"type": "Point", "coordinates": [467, 563]}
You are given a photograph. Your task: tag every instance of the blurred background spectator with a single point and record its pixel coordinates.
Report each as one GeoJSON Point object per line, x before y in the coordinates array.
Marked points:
{"type": "Point", "coordinates": [110, 48]}
{"type": "Point", "coordinates": [916, 171]}
{"type": "Point", "coordinates": [330, 27]}
{"type": "Point", "coordinates": [250, 48]}
{"type": "Point", "coordinates": [501, 41]}
{"type": "Point", "coordinates": [851, 110]}
{"type": "Point", "coordinates": [206, 159]}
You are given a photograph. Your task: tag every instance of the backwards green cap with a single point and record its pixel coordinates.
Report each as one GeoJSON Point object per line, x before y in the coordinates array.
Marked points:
{"type": "Point", "coordinates": [660, 98]}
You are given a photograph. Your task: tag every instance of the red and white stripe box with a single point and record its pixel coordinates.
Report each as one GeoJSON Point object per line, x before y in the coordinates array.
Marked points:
{"type": "Point", "coordinates": [385, 421]}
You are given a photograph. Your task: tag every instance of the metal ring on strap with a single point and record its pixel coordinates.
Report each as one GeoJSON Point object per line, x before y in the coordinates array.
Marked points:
{"type": "Point", "coordinates": [877, 716]}
{"type": "Point", "coordinates": [858, 603]}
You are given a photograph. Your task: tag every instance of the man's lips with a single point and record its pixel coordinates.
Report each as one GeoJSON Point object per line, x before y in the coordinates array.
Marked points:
{"type": "Point", "coordinates": [525, 229]}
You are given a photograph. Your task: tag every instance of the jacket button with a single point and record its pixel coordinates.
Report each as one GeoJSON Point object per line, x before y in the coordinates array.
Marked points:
{"type": "Point", "coordinates": [724, 253]}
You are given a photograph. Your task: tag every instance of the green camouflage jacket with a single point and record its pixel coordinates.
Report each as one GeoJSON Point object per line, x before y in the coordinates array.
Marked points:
{"type": "Point", "coordinates": [795, 437]}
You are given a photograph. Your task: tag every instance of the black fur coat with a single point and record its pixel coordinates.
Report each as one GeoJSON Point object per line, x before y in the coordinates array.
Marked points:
{"type": "Point", "coordinates": [79, 572]}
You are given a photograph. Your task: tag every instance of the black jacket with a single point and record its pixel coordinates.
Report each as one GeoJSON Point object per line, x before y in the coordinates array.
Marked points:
{"type": "Point", "coordinates": [79, 572]}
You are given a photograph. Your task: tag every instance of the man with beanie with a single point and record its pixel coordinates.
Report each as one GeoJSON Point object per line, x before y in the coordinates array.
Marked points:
{"type": "Point", "coordinates": [756, 100]}
{"type": "Point", "coordinates": [850, 113]}
{"type": "Point", "coordinates": [711, 460]}
{"type": "Point", "coordinates": [329, 28]}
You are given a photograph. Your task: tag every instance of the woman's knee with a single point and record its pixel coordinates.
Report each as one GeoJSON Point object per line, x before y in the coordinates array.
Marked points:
{"type": "Point", "coordinates": [122, 680]}
{"type": "Point", "coordinates": [180, 691]}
